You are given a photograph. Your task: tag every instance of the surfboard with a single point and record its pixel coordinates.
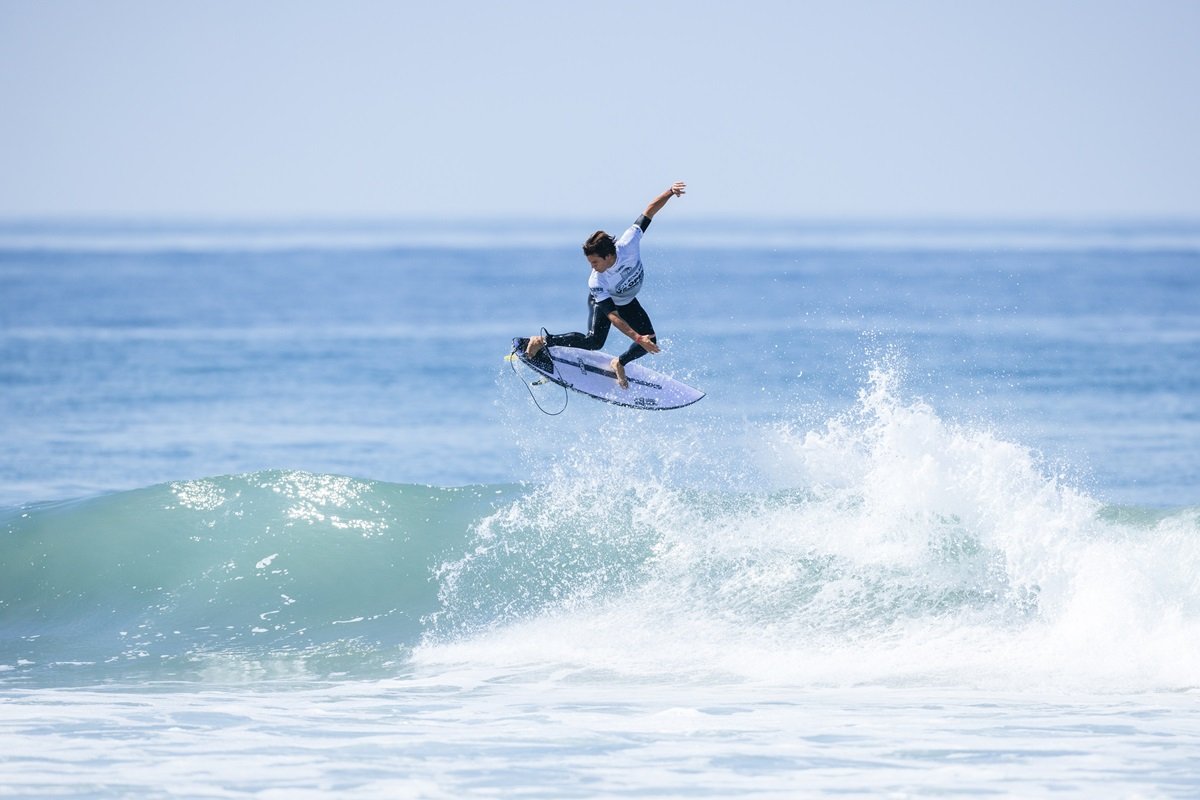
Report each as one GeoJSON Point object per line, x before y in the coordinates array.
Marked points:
{"type": "Point", "coordinates": [588, 372]}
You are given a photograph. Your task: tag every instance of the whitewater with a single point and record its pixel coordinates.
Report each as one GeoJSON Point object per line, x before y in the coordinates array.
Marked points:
{"type": "Point", "coordinates": [259, 540]}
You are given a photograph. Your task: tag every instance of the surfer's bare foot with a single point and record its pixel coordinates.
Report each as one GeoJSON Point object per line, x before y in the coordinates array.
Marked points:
{"type": "Point", "coordinates": [619, 368]}
{"type": "Point", "coordinates": [534, 345]}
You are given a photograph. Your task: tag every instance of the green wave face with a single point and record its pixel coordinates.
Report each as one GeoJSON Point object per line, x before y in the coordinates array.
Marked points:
{"type": "Point", "coordinates": [273, 567]}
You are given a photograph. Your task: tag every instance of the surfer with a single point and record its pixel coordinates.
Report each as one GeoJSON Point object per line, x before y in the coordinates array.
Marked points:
{"type": "Point", "coordinates": [612, 292]}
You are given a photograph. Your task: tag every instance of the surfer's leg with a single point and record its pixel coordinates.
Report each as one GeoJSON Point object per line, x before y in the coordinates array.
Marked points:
{"type": "Point", "coordinates": [598, 325]}
{"type": "Point", "coordinates": [619, 369]}
{"type": "Point", "coordinates": [639, 320]}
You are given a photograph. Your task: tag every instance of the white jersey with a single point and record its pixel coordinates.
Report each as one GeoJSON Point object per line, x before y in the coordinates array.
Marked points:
{"type": "Point", "coordinates": [622, 280]}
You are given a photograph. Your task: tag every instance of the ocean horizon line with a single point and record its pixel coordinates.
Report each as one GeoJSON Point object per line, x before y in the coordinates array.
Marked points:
{"type": "Point", "coordinates": [132, 233]}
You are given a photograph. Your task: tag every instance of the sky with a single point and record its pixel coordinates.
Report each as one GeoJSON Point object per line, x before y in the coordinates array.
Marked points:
{"type": "Point", "coordinates": [767, 108]}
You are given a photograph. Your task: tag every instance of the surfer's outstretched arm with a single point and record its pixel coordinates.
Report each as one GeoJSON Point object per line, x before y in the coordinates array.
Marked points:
{"type": "Point", "coordinates": [677, 190]}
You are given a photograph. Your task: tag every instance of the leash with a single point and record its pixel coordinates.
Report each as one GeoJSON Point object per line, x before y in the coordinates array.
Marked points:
{"type": "Point", "coordinates": [512, 362]}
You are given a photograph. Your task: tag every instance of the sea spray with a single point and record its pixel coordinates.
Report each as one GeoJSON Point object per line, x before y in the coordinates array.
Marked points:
{"type": "Point", "coordinates": [897, 548]}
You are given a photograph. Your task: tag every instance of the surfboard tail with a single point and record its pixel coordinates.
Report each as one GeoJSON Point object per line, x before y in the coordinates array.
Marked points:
{"type": "Point", "coordinates": [541, 361]}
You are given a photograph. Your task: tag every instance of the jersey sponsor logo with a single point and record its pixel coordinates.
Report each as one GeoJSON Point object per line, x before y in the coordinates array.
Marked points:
{"type": "Point", "coordinates": [630, 282]}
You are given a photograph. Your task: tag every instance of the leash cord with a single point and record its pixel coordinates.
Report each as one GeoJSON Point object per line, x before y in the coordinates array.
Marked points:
{"type": "Point", "coordinates": [529, 387]}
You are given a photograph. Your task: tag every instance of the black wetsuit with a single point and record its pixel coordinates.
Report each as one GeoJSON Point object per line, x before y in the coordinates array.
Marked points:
{"type": "Point", "coordinates": [599, 323]}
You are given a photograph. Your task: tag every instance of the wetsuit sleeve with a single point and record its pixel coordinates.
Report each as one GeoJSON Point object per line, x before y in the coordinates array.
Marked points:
{"type": "Point", "coordinates": [606, 306]}
{"type": "Point", "coordinates": [642, 222]}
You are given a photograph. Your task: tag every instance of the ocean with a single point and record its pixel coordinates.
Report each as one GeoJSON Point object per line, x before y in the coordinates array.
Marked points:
{"type": "Point", "coordinates": [277, 519]}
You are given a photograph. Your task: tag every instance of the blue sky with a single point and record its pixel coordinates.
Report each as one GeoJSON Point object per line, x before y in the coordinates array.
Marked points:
{"type": "Point", "coordinates": [568, 109]}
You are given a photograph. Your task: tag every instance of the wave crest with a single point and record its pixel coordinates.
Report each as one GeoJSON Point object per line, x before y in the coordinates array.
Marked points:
{"type": "Point", "coordinates": [897, 547]}
{"type": "Point", "coordinates": [893, 547]}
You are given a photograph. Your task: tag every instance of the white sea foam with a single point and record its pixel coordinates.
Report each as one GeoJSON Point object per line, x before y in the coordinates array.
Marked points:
{"type": "Point", "coordinates": [900, 548]}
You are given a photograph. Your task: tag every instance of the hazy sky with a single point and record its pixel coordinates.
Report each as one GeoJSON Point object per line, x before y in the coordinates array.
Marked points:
{"type": "Point", "coordinates": [567, 109]}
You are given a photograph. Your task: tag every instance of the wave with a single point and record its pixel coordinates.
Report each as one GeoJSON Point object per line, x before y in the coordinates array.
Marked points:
{"type": "Point", "coordinates": [279, 568]}
{"type": "Point", "coordinates": [896, 548]}
{"type": "Point", "coordinates": [892, 547]}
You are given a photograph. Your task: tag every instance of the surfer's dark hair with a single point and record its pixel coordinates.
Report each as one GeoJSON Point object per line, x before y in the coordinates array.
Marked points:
{"type": "Point", "coordinates": [600, 244]}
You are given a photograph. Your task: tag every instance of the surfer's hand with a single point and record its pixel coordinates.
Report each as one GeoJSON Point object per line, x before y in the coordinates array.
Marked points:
{"type": "Point", "coordinates": [678, 188]}
{"type": "Point", "coordinates": [647, 343]}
